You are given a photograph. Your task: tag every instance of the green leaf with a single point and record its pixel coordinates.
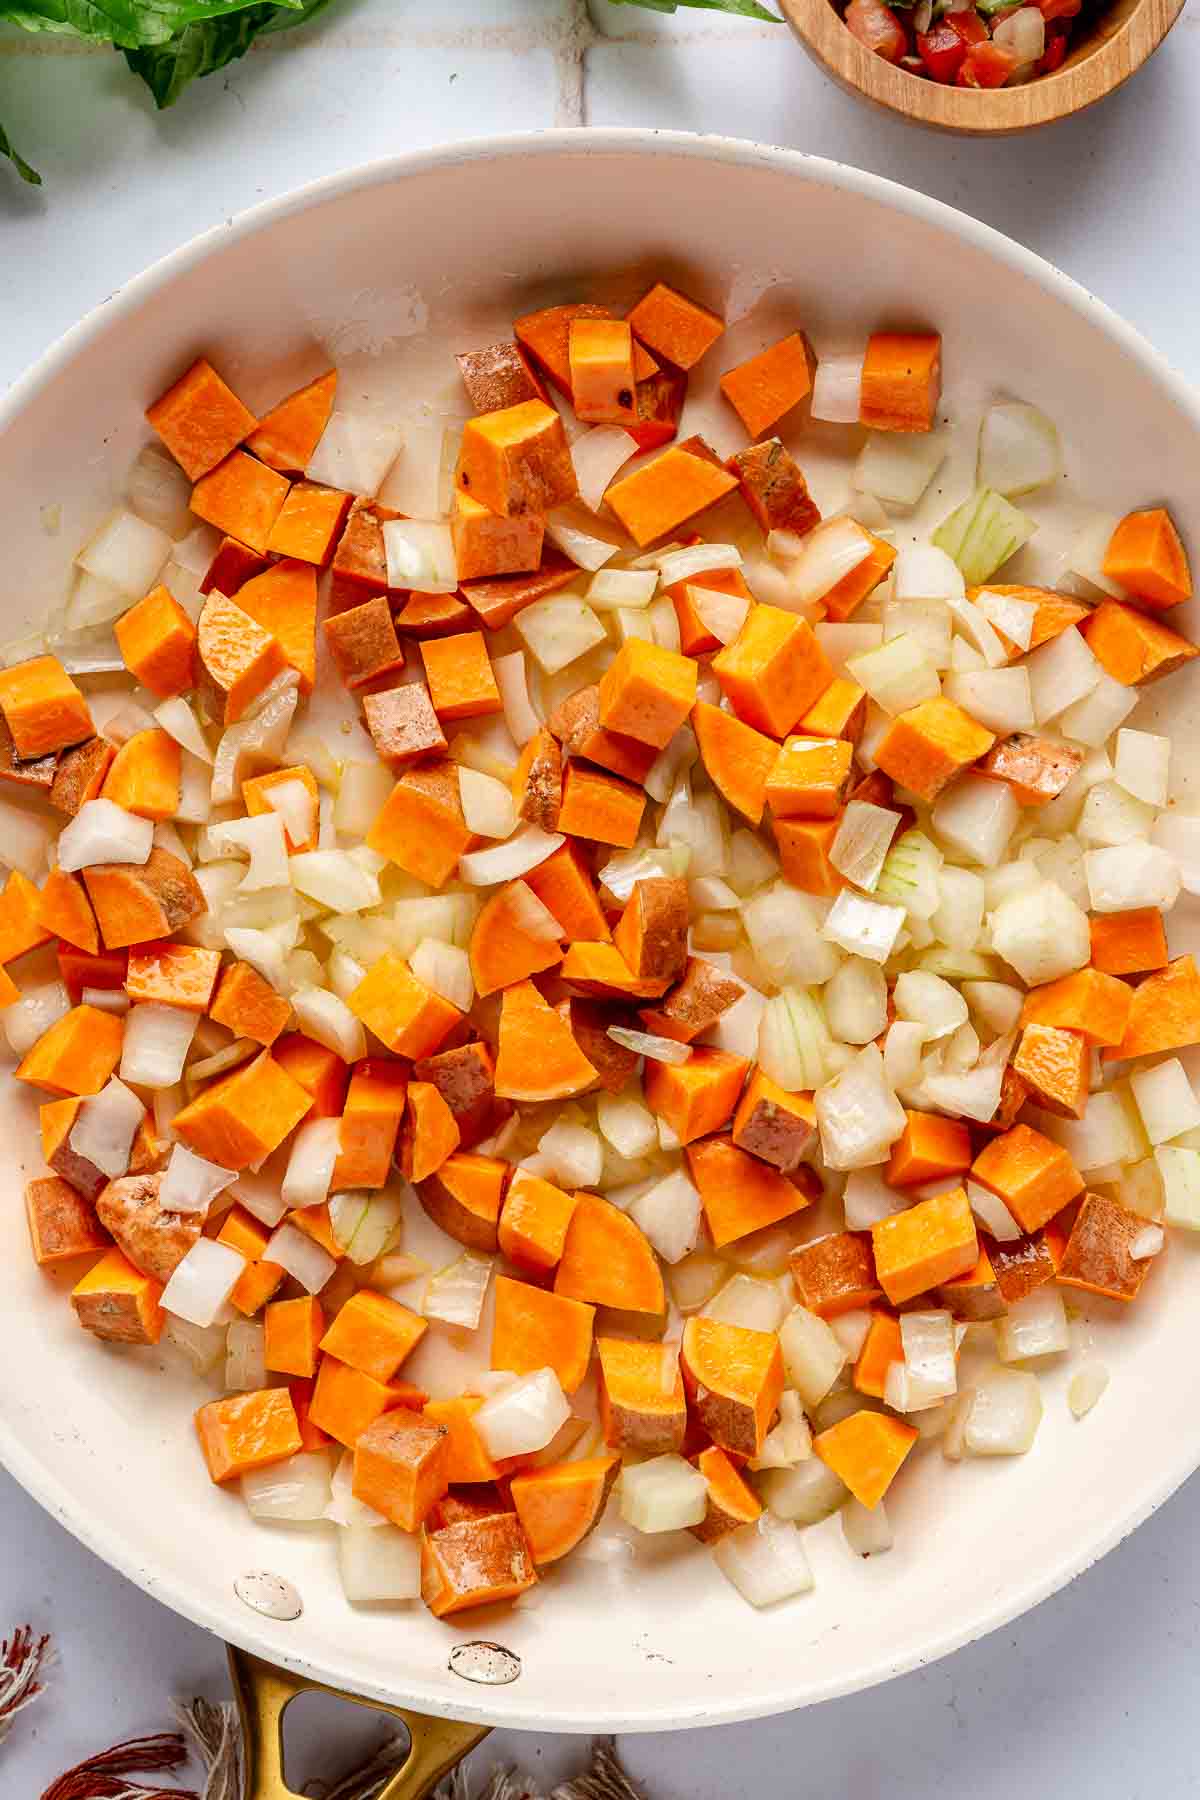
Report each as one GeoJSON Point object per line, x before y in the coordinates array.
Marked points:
{"type": "Point", "coordinates": [746, 9]}
{"type": "Point", "coordinates": [18, 161]}
{"type": "Point", "coordinates": [130, 24]}
{"type": "Point", "coordinates": [202, 48]}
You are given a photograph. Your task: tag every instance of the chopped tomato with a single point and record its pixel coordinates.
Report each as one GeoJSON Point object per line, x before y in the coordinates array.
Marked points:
{"type": "Point", "coordinates": [942, 50]}
{"type": "Point", "coordinates": [986, 66]}
{"type": "Point", "coordinates": [877, 26]}
{"type": "Point", "coordinates": [969, 26]}
{"type": "Point", "coordinates": [1058, 9]}
{"type": "Point", "coordinates": [1052, 56]}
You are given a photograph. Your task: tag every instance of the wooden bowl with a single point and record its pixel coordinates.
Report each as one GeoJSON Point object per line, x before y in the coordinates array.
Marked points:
{"type": "Point", "coordinates": [1120, 39]}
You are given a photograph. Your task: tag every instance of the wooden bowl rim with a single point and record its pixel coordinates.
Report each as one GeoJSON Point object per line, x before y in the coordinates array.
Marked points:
{"type": "Point", "coordinates": [982, 112]}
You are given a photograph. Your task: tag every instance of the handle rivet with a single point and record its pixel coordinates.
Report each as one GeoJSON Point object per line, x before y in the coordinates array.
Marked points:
{"type": "Point", "coordinates": [490, 1664]}
{"type": "Point", "coordinates": [268, 1594]}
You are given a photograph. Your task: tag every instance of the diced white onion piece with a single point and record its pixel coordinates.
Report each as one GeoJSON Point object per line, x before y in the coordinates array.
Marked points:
{"type": "Point", "coordinates": [997, 698]}
{"type": "Point", "coordinates": [190, 1183]}
{"type": "Point", "coordinates": [863, 927]}
{"type": "Point", "coordinates": [862, 842]}
{"type": "Point", "coordinates": [263, 841]}
{"type": "Point", "coordinates": [303, 1258]}
{"type": "Point", "coordinates": [321, 1016]}
{"type": "Point", "coordinates": [201, 1283]}
{"type": "Point", "coordinates": [30, 1017]}
{"type": "Point", "coordinates": [1179, 835]}
{"type": "Point", "coordinates": [841, 642]}
{"type": "Point", "coordinates": [597, 455]}
{"type": "Point", "coordinates": [344, 1508]}
{"type": "Point", "coordinates": [559, 631]}
{"type": "Point", "coordinates": [156, 1042]}
{"type": "Point", "coordinates": [1128, 876]}
{"type": "Point", "coordinates": [295, 1491]}
{"type": "Point", "coordinates": [902, 1054]}
{"type": "Point", "coordinates": [794, 1040]}
{"type": "Point", "coordinates": [585, 549]}
{"type": "Point", "coordinates": [295, 805]}
{"type": "Point", "coordinates": [784, 928]}
{"type": "Point", "coordinates": [525, 850]}
{"type": "Point", "coordinates": [909, 877]}
{"type": "Point", "coordinates": [455, 1295]}
{"type": "Point", "coordinates": [487, 804]}
{"type": "Point", "coordinates": [858, 1115]}
{"type": "Point", "coordinates": [851, 1329]}
{"type": "Point", "coordinates": [867, 1198]}
{"type": "Point", "coordinates": [1109, 1132]}
{"type": "Point", "coordinates": [827, 555]}
{"type": "Point", "coordinates": [1142, 765]}
{"type": "Point", "coordinates": [159, 492]}
{"type": "Point", "coordinates": [722, 614]}
{"type": "Point", "coordinates": [992, 1214]}
{"type": "Point", "coordinates": [976, 817]}
{"type": "Point", "coordinates": [379, 1563]}
{"type": "Point", "coordinates": [625, 868]}
{"type": "Point", "coordinates": [335, 879]}
{"type": "Point", "coordinates": [362, 792]}
{"type": "Point", "coordinates": [534, 918]}
{"type": "Point", "coordinates": [195, 791]}
{"type": "Point", "coordinates": [127, 552]}
{"type": "Point", "coordinates": [256, 741]}
{"type": "Point", "coordinates": [1019, 449]}
{"type": "Point", "coordinates": [112, 1000]}
{"type": "Point", "coordinates": [693, 561]}
{"type": "Point", "coordinates": [446, 969]}
{"type": "Point", "coordinates": [100, 832]}
{"type": "Point", "coordinates": [1148, 1242]}
{"type": "Point", "coordinates": [420, 556]}
{"type": "Point", "coordinates": [929, 1355]}
{"type": "Point", "coordinates": [1180, 1173]}
{"type": "Point", "coordinates": [710, 894]}
{"type": "Point", "coordinates": [928, 621]}
{"type": "Point", "coordinates": [1165, 1100]}
{"type": "Point", "coordinates": [1034, 1326]}
{"type": "Point", "coordinates": [959, 917]}
{"type": "Point", "coordinates": [936, 1006]}
{"type": "Point", "coordinates": [855, 1002]}
{"type": "Point", "coordinates": [575, 1151]}
{"type": "Point", "coordinates": [669, 1216]}
{"type": "Point", "coordinates": [898, 675]}
{"type": "Point", "coordinates": [1087, 1386]}
{"type": "Point", "coordinates": [837, 389]}
{"type": "Point", "coordinates": [524, 1416]}
{"type": "Point", "coordinates": [177, 719]}
{"type": "Point", "coordinates": [803, 1495]}
{"type": "Point", "coordinates": [646, 1043]}
{"type": "Point", "coordinates": [664, 1494]}
{"type": "Point", "coordinates": [202, 1345]}
{"type": "Point", "coordinates": [519, 715]}
{"type": "Point", "coordinates": [105, 1127]}
{"type": "Point", "coordinates": [267, 951]}
{"type": "Point", "coordinates": [364, 1222]}
{"type": "Point", "coordinates": [355, 453]}
{"type": "Point", "coordinates": [1012, 616]}
{"type": "Point", "coordinates": [923, 572]}
{"type": "Point", "coordinates": [695, 1279]}
{"type": "Point", "coordinates": [612, 588]}
{"type": "Point", "coordinates": [1001, 1413]}
{"type": "Point", "coordinates": [867, 1530]}
{"type": "Point", "coordinates": [789, 1441]}
{"type": "Point", "coordinates": [898, 467]}
{"type": "Point", "coordinates": [1042, 933]}
{"type": "Point", "coordinates": [755, 1305]}
{"type": "Point", "coordinates": [627, 1125]}
{"type": "Point", "coordinates": [1093, 719]}
{"type": "Point", "coordinates": [1060, 673]}
{"type": "Point", "coordinates": [245, 1359]}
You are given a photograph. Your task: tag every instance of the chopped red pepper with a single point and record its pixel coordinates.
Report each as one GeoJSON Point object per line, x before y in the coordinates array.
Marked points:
{"type": "Point", "coordinates": [877, 27]}
{"type": "Point", "coordinates": [942, 50]}
{"type": "Point", "coordinates": [1059, 9]}
{"type": "Point", "coordinates": [969, 26]}
{"type": "Point", "coordinates": [1052, 57]}
{"type": "Point", "coordinates": [986, 66]}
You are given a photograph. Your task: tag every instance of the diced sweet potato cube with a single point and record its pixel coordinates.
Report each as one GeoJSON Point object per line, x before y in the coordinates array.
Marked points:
{"type": "Point", "coordinates": [689, 1010]}
{"type": "Point", "coordinates": [309, 523]}
{"type": "Point", "coordinates": [741, 1194]}
{"type": "Point", "coordinates": [117, 1302]}
{"type": "Point", "coordinates": [1037, 769]}
{"type": "Point", "coordinates": [345, 1401]}
{"type": "Point", "coordinates": [733, 1377]}
{"type": "Point", "coordinates": [535, 1329]}
{"type": "Point", "coordinates": [559, 1505]}
{"type": "Point", "coordinates": [62, 1222]}
{"type": "Point", "coordinates": [647, 692]}
{"type": "Point", "coordinates": [576, 724]}
{"type": "Point", "coordinates": [403, 725]}
{"type": "Point", "coordinates": [1165, 1014]}
{"type": "Point", "coordinates": [537, 1056]}
{"type": "Point", "coordinates": [695, 637]}
{"type": "Point", "coordinates": [976, 1295]}
{"type": "Point", "coordinates": [200, 419]}
{"type": "Point", "coordinates": [901, 381]}
{"type": "Point", "coordinates": [1055, 613]}
{"type": "Point", "coordinates": [78, 1053]}
{"type": "Point", "coordinates": [503, 949]}
{"type": "Point", "coordinates": [370, 1125]}
{"type": "Point", "coordinates": [56, 1121]}
{"type": "Point", "coordinates": [293, 1330]}
{"type": "Point", "coordinates": [1033, 1176]}
{"type": "Point", "coordinates": [516, 460]}
{"type": "Point", "coordinates": [881, 1347]}
{"type": "Point", "coordinates": [363, 643]}
{"type": "Point", "coordinates": [1027, 1263]}
{"type": "Point", "coordinates": [240, 1118]}
{"type": "Point", "coordinates": [773, 1125]}
{"type": "Point", "coordinates": [642, 1402]}
{"type": "Point", "coordinates": [400, 1467]}
{"type": "Point", "coordinates": [34, 775]}
{"type": "Point", "coordinates": [499, 376]}
{"type": "Point", "coordinates": [608, 1261]}
{"type": "Point", "coordinates": [231, 567]}
{"type": "Point", "coordinates": [64, 911]}
{"type": "Point", "coordinates": [928, 745]}
{"type": "Point", "coordinates": [601, 353]}
{"type": "Point", "coordinates": [315, 1222]}
{"type": "Point", "coordinates": [739, 760]}
{"type": "Point", "coordinates": [660, 398]}
{"type": "Point", "coordinates": [158, 643]}
{"type": "Point", "coordinates": [259, 1281]}
{"type": "Point", "coordinates": [534, 1222]}
{"type": "Point", "coordinates": [589, 1021]}
{"type": "Point", "coordinates": [469, 1461]}
{"type": "Point", "coordinates": [651, 934]}
{"type": "Point", "coordinates": [676, 328]}
{"type": "Point", "coordinates": [464, 1198]}
{"type": "Point", "coordinates": [499, 599]}
{"type": "Point", "coordinates": [241, 497]}
{"type": "Point", "coordinates": [847, 595]}
{"type": "Point", "coordinates": [286, 438]}
{"type": "Point", "coordinates": [929, 1148]}
{"type": "Point", "coordinates": [79, 970]}
{"type": "Point", "coordinates": [421, 828]}
{"type": "Point", "coordinates": [428, 1132]}
{"type": "Point", "coordinates": [134, 904]}
{"type": "Point", "coordinates": [283, 601]}
{"type": "Point", "coordinates": [930, 1243]}
{"type": "Point", "coordinates": [599, 971]}
{"type": "Point", "coordinates": [1098, 1254]}
{"type": "Point", "coordinates": [662, 495]}
{"type": "Point", "coordinates": [697, 1097]}
{"type": "Point", "coordinates": [319, 1070]}
{"type": "Point", "coordinates": [359, 563]}
{"type": "Point", "coordinates": [600, 808]}
{"type": "Point", "coordinates": [732, 1502]}
{"type": "Point", "coordinates": [1132, 647]}
{"type": "Point", "coordinates": [546, 336]}
{"type": "Point", "coordinates": [1129, 943]}
{"type": "Point", "coordinates": [487, 544]}
{"type": "Point", "coordinates": [43, 709]}
{"type": "Point", "coordinates": [405, 1015]}
{"type": "Point", "coordinates": [766, 387]}
{"type": "Point", "coordinates": [373, 1334]}
{"type": "Point", "coordinates": [773, 671]}
{"type": "Point", "coordinates": [238, 658]}
{"type": "Point", "coordinates": [537, 781]}
{"type": "Point", "coordinates": [247, 1431]}
{"type": "Point", "coordinates": [866, 1451]}
{"type": "Point", "coordinates": [835, 1274]}
{"type": "Point", "coordinates": [175, 974]}
{"type": "Point", "coordinates": [256, 797]}
{"type": "Point", "coordinates": [459, 673]}
{"type": "Point", "coordinates": [465, 1077]}
{"type": "Point", "coordinates": [145, 775]}
{"type": "Point", "coordinates": [809, 778]}
{"type": "Point", "coordinates": [564, 885]}
{"type": "Point", "coordinates": [1089, 1001]}
{"type": "Point", "coordinates": [80, 774]}
{"type": "Point", "coordinates": [478, 1562]}
{"type": "Point", "coordinates": [1146, 558]}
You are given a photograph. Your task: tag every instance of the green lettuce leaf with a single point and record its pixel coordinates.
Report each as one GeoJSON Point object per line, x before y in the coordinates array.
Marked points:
{"type": "Point", "coordinates": [206, 46]}
{"type": "Point", "coordinates": [746, 9]}
{"type": "Point", "coordinates": [18, 161]}
{"type": "Point", "coordinates": [130, 24]}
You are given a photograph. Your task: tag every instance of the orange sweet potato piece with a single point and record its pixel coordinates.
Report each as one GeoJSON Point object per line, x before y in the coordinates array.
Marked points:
{"type": "Point", "coordinates": [1037, 769]}
{"type": "Point", "coordinates": [600, 807]}
{"type": "Point", "coordinates": [238, 658]}
{"type": "Point", "coordinates": [589, 1021]}
{"type": "Point", "coordinates": [200, 419]}
{"type": "Point", "coordinates": [660, 496]}
{"type": "Point", "coordinates": [286, 438]}
{"type": "Point", "coordinates": [647, 692]}
{"type": "Point", "coordinates": [766, 387]}
{"type": "Point", "coordinates": [425, 616]}
{"type": "Point", "coordinates": [1147, 559]}
{"type": "Point", "coordinates": [846, 596]}
{"type": "Point", "coordinates": [62, 1222]}
{"type": "Point", "coordinates": [145, 775]}
{"type": "Point", "coordinates": [37, 775]}
{"type": "Point", "coordinates": [651, 934]}
{"type": "Point", "coordinates": [866, 1451]}
{"type": "Point", "coordinates": [516, 460]}
{"type": "Point", "coordinates": [465, 1077]}
{"type": "Point", "coordinates": [600, 971]}
{"type": "Point", "coordinates": [464, 1198]}
{"type": "Point", "coordinates": [502, 949]}
{"type": "Point", "coordinates": [676, 328]}
{"type": "Point", "coordinates": [835, 1274]}
{"type": "Point", "coordinates": [930, 1243]}
{"type": "Point", "coordinates": [929, 744]}
{"type": "Point", "coordinates": [774, 488]}
{"type": "Point", "coordinates": [80, 774]}
{"type": "Point", "coordinates": [256, 798]}
{"type": "Point", "coordinates": [975, 1295]}
{"type": "Point", "coordinates": [428, 1134]}
{"type": "Point", "coordinates": [79, 970]}
{"type": "Point", "coordinates": [1055, 613]}
{"type": "Point", "coordinates": [487, 545]}
{"type": "Point", "coordinates": [564, 885]}
{"type": "Point", "coordinates": [359, 563]}
{"type": "Point", "coordinates": [309, 524]}
{"type": "Point", "coordinates": [78, 1053]}
{"type": "Point", "coordinates": [1129, 943]}
{"type": "Point", "coordinates": [405, 1015]}
{"type": "Point", "coordinates": [537, 781]}
{"type": "Point", "coordinates": [739, 759]}
{"type": "Point", "coordinates": [929, 1148]}
{"type": "Point", "coordinates": [117, 1302]}
{"type": "Point", "coordinates": [292, 1335]}
{"type": "Point", "coordinates": [498, 599]}
{"type": "Point", "coordinates": [421, 828]}
{"type": "Point", "coordinates": [345, 1401]}
{"type": "Point", "coordinates": [319, 1070]}
{"type": "Point", "coordinates": [773, 1125]}
{"type": "Point", "coordinates": [1090, 1002]}
{"type": "Point", "coordinates": [499, 376]}
{"type": "Point", "coordinates": [1098, 1256]}
{"type": "Point", "coordinates": [240, 1118]}
{"type": "Point", "coordinates": [459, 673]}
{"type": "Point", "coordinates": [478, 1562]}
{"type": "Point", "coordinates": [1033, 1176]}
{"type": "Point", "coordinates": [535, 1329]}
{"type": "Point", "coordinates": [133, 904]}
{"type": "Point", "coordinates": [560, 1504]}
{"type": "Point", "coordinates": [231, 567]}
{"type": "Point", "coordinates": [603, 379]}
{"type": "Point", "coordinates": [773, 671]}
{"type": "Point", "coordinates": [241, 497]}
{"type": "Point", "coordinates": [403, 725]}
{"type": "Point", "coordinates": [64, 911]}
{"type": "Point", "coordinates": [363, 643]}
{"type": "Point", "coordinates": [400, 1467]}
{"type": "Point", "coordinates": [642, 1403]}
{"type": "Point", "coordinates": [804, 846]}
{"type": "Point", "coordinates": [1131, 646]}
{"type": "Point", "coordinates": [247, 1431]}
{"type": "Point", "coordinates": [576, 724]}
{"type": "Point", "coordinates": [370, 1125]}
{"type": "Point", "coordinates": [374, 1334]}
{"type": "Point", "coordinates": [175, 974]}
{"type": "Point", "coordinates": [608, 1261]}
{"type": "Point", "coordinates": [158, 643]}
{"type": "Point", "coordinates": [734, 1378]}
{"type": "Point", "coordinates": [546, 336]}
{"type": "Point", "coordinates": [534, 1222]}
{"type": "Point", "coordinates": [881, 1347]}
{"type": "Point", "coordinates": [732, 1502]}
{"type": "Point", "coordinates": [1165, 1014]}
{"type": "Point", "coordinates": [154, 1240]}
{"type": "Point", "coordinates": [56, 1120]}
{"type": "Point", "coordinates": [660, 398]}
{"type": "Point", "coordinates": [537, 1056]}
{"type": "Point", "coordinates": [691, 1008]}
{"type": "Point", "coordinates": [741, 1194]}
{"type": "Point", "coordinates": [283, 602]}
{"type": "Point", "coordinates": [469, 1461]}
{"type": "Point", "coordinates": [809, 778]}
{"type": "Point", "coordinates": [697, 1097]}
{"type": "Point", "coordinates": [260, 1280]}
{"type": "Point", "coordinates": [901, 381]}
{"type": "Point", "coordinates": [43, 709]}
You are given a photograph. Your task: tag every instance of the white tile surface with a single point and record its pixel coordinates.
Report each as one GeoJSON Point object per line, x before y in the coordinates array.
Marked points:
{"type": "Point", "coordinates": [1096, 1691]}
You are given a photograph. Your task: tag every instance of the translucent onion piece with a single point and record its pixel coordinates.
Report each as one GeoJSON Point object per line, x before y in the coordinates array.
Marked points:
{"type": "Point", "coordinates": [863, 839]}
{"type": "Point", "coordinates": [597, 455]}
{"type": "Point", "coordinates": [524, 1416]}
{"type": "Point", "coordinates": [1033, 1326]}
{"type": "Point", "coordinates": [867, 1530]}
{"type": "Point", "coordinates": [100, 832]}
{"type": "Point", "coordinates": [519, 715]}
{"type": "Point", "coordinates": [303, 1259]}
{"type": "Point", "coordinates": [664, 1494]}
{"type": "Point", "coordinates": [525, 850]}
{"type": "Point", "coordinates": [311, 1160]}
{"type": "Point", "coordinates": [157, 1040]}
{"type": "Point", "coordinates": [127, 553]}
{"type": "Point", "coordinates": [455, 1295]}
{"type": "Point", "coordinates": [295, 1491]}
{"type": "Point", "coordinates": [321, 1016]}
{"type": "Point", "coordinates": [669, 1216]}
{"type": "Point", "coordinates": [159, 492]}
{"type": "Point", "coordinates": [1087, 1386]}
{"type": "Point", "coordinates": [105, 1127]}
{"type": "Point", "coordinates": [812, 1355]}
{"type": "Point", "coordinates": [834, 550]}
{"type": "Point", "coordinates": [177, 718]}
{"type": "Point", "coordinates": [202, 1282]}
{"type": "Point", "coordinates": [190, 1183]}
{"type": "Point", "coordinates": [858, 1115]}
{"type": "Point", "coordinates": [1019, 449]}
{"type": "Point", "coordinates": [583, 546]}
{"type": "Point", "coordinates": [245, 1356]}
{"type": "Point", "coordinates": [837, 389]}
{"type": "Point", "coordinates": [379, 1563]}
{"type": "Point", "coordinates": [365, 1223]}
{"type": "Point", "coordinates": [992, 1214]}
{"type": "Point", "coordinates": [254, 742]}
{"type": "Point", "coordinates": [755, 1305]}
{"type": "Point", "coordinates": [645, 1043]}
{"type": "Point", "coordinates": [487, 804]}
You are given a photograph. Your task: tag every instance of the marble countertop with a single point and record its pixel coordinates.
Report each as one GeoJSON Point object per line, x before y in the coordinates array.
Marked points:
{"type": "Point", "coordinates": [1094, 1690]}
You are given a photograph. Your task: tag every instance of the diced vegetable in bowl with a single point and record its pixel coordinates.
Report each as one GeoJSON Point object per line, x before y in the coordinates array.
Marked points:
{"type": "Point", "coordinates": [638, 1002]}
